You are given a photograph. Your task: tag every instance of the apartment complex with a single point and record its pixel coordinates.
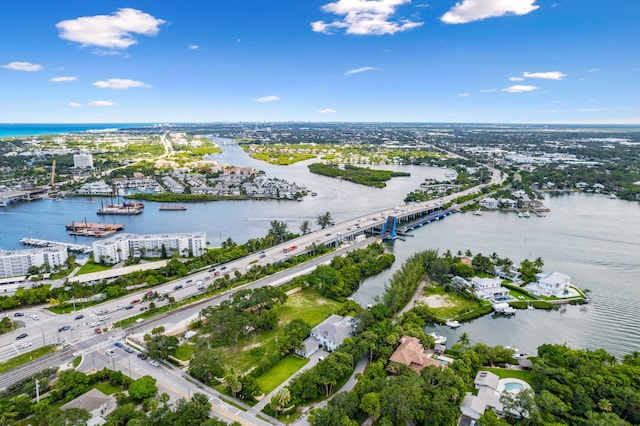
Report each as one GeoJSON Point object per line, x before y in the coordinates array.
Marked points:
{"type": "Point", "coordinates": [18, 262]}
{"type": "Point", "coordinates": [121, 247]}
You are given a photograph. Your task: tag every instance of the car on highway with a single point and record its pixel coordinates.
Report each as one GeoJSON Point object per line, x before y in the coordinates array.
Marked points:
{"type": "Point", "coordinates": [128, 307]}
{"type": "Point", "coordinates": [141, 356]}
{"type": "Point", "coordinates": [25, 345]}
{"type": "Point", "coordinates": [216, 273]}
{"type": "Point", "coordinates": [64, 328]}
{"type": "Point", "coordinates": [134, 301]}
{"type": "Point", "coordinates": [98, 330]}
{"type": "Point", "coordinates": [104, 317]}
{"type": "Point", "coordinates": [154, 363]}
{"type": "Point", "coordinates": [21, 336]}
{"type": "Point", "coordinates": [176, 288]}
{"type": "Point", "coordinates": [94, 323]}
{"type": "Point", "coordinates": [201, 288]}
{"type": "Point", "coordinates": [35, 317]}
{"type": "Point", "coordinates": [212, 269]}
{"type": "Point", "coordinates": [328, 234]}
{"type": "Point", "coordinates": [189, 281]}
{"type": "Point", "coordinates": [262, 254]}
{"type": "Point", "coordinates": [79, 317]}
{"type": "Point", "coordinates": [119, 307]}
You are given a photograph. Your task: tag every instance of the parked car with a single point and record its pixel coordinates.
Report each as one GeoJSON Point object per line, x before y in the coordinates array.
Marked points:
{"type": "Point", "coordinates": [154, 363]}
{"type": "Point", "coordinates": [79, 317]}
{"type": "Point", "coordinates": [128, 349]}
{"type": "Point", "coordinates": [110, 352]}
{"type": "Point", "coordinates": [118, 344]}
{"type": "Point", "coordinates": [35, 317]}
{"type": "Point", "coordinates": [98, 330]}
{"type": "Point", "coordinates": [141, 356]}
{"type": "Point", "coordinates": [21, 336]}
{"type": "Point", "coordinates": [64, 328]}
{"type": "Point", "coordinates": [18, 314]}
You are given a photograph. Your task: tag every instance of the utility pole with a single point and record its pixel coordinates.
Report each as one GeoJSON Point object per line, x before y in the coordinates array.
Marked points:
{"type": "Point", "coordinates": [43, 341]}
{"type": "Point", "coordinates": [37, 391]}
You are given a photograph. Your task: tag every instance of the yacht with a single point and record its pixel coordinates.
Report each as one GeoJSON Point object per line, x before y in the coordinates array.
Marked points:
{"type": "Point", "coordinates": [440, 340]}
{"type": "Point", "coordinates": [452, 323]}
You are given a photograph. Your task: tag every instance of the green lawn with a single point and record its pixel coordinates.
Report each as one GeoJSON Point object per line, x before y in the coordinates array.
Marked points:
{"type": "Point", "coordinates": [16, 361]}
{"type": "Point", "coordinates": [91, 266]}
{"type": "Point", "coordinates": [306, 305]}
{"type": "Point", "coordinates": [505, 373]}
{"type": "Point", "coordinates": [280, 372]}
{"type": "Point", "coordinates": [107, 389]}
{"type": "Point", "coordinates": [185, 352]}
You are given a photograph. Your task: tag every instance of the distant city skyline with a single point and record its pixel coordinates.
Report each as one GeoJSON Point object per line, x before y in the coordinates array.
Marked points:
{"type": "Point", "coordinates": [480, 61]}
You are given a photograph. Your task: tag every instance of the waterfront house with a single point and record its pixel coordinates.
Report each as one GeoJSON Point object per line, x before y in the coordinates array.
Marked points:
{"type": "Point", "coordinates": [489, 288]}
{"type": "Point", "coordinates": [488, 203]}
{"type": "Point", "coordinates": [473, 406]}
{"type": "Point", "coordinates": [550, 284]}
{"type": "Point", "coordinates": [329, 334]}
{"type": "Point", "coordinates": [412, 354]}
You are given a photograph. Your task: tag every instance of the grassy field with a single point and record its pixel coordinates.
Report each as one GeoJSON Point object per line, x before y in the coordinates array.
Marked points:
{"type": "Point", "coordinates": [306, 305]}
{"type": "Point", "coordinates": [16, 361]}
{"type": "Point", "coordinates": [280, 372]}
{"type": "Point", "coordinates": [185, 352]}
{"type": "Point", "coordinates": [91, 266]}
{"type": "Point", "coordinates": [455, 303]}
{"type": "Point", "coordinates": [107, 389]}
{"type": "Point", "coordinates": [505, 373]}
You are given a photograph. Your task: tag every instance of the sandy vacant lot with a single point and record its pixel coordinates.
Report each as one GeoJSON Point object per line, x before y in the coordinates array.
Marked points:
{"type": "Point", "coordinates": [436, 301]}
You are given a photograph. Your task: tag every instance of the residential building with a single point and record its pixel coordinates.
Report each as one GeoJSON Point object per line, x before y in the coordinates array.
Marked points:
{"type": "Point", "coordinates": [490, 387]}
{"type": "Point", "coordinates": [95, 188]}
{"type": "Point", "coordinates": [489, 288]}
{"type": "Point", "coordinates": [96, 403]}
{"type": "Point", "coordinates": [329, 334]}
{"type": "Point", "coordinates": [123, 246]}
{"type": "Point", "coordinates": [489, 203]}
{"type": "Point", "coordinates": [82, 161]}
{"type": "Point", "coordinates": [550, 284]}
{"type": "Point", "coordinates": [18, 262]}
{"type": "Point", "coordinates": [412, 354]}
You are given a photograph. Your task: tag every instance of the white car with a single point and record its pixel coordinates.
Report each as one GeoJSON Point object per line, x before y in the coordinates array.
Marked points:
{"type": "Point", "coordinates": [94, 324]}
{"type": "Point", "coordinates": [25, 345]}
{"type": "Point", "coordinates": [119, 307]}
{"type": "Point", "coordinates": [154, 363]}
{"type": "Point", "coordinates": [110, 352]}
{"type": "Point", "coordinates": [104, 317]}
{"type": "Point", "coordinates": [35, 317]}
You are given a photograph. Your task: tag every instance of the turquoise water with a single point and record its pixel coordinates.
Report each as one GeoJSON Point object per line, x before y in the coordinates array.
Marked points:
{"type": "Point", "coordinates": [511, 386]}
{"type": "Point", "coordinates": [30, 129]}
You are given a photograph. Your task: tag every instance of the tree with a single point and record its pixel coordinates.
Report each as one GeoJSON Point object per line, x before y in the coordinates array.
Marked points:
{"type": "Point", "coordinates": [278, 231]}
{"type": "Point", "coordinates": [228, 244]}
{"type": "Point", "coordinates": [295, 331]}
{"type": "Point", "coordinates": [370, 404]}
{"type": "Point", "coordinates": [324, 220]}
{"type": "Point", "coordinates": [305, 227]}
{"type": "Point", "coordinates": [280, 400]}
{"type": "Point", "coordinates": [207, 365]}
{"type": "Point", "coordinates": [233, 383]}
{"type": "Point", "coordinates": [519, 405]}
{"type": "Point", "coordinates": [464, 339]}
{"type": "Point", "coordinates": [160, 346]}
{"type": "Point", "coordinates": [143, 388]}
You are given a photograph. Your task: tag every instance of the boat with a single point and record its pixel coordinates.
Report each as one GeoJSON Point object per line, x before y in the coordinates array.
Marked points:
{"type": "Point", "coordinates": [504, 308]}
{"type": "Point", "coordinates": [613, 196]}
{"type": "Point", "coordinates": [439, 339]}
{"type": "Point", "coordinates": [452, 323]}
{"type": "Point", "coordinates": [478, 212]}
{"type": "Point", "coordinates": [128, 209]}
{"type": "Point", "coordinates": [172, 208]}
{"type": "Point", "coordinates": [527, 214]}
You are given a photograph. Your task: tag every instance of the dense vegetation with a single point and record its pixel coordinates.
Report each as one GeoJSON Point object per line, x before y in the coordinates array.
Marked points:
{"type": "Point", "coordinates": [361, 175]}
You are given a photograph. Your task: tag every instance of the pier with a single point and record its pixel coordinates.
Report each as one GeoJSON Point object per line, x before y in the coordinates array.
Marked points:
{"type": "Point", "coordinates": [76, 248]}
{"type": "Point", "coordinates": [87, 229]}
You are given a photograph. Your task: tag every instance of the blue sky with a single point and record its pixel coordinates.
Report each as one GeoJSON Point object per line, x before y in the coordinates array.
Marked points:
{"type": "Point", "coordinates": [498, 61]}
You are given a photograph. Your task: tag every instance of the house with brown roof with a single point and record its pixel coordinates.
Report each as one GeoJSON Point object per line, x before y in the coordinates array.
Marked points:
{"type": "Point", "coordinates": [412, 354]}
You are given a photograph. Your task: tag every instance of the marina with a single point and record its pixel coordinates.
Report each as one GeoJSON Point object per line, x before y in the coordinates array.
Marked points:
{"type": "Point", "coordinates": [35, 242]}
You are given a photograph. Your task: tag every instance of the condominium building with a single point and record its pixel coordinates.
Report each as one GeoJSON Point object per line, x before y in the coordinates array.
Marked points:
{"type": "Point", "coordinates": [82, 160]}
{"type": "Point", "coordinates": [18, 262]}
{"type": "Point", "coordinates": [123, 246]}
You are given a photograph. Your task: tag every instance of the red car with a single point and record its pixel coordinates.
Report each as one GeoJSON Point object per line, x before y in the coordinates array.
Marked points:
{"type": "Point", "coordinates": [98, 330]}
{"type": "Point", "coordinates": [133, 302]}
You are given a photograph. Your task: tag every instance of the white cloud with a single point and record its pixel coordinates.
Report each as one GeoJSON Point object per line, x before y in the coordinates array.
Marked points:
{"type": "Point", "coordinates": [364, 17]}
{"type": "Point", "coordinates": [194, 47]}
{"type": "Point", "coordinates": [63, 79]}
{"type": "Point", "coordinates": [74, 105]}
{"type": "Point", "coordinates": [119, 84]}
{"type": "Point", "coordinates": [23, 66]}
{"type": "Point", "coordinates": [466, 11]}
{"type": "Point", "coordinates": [591, 109]}
{"type": "Point", "coordinates": [101, 103]}
{"type": "Point", "coordinates": [359, 70]}
{"type": "Point", "coordinates": [463, 95]}
{"type": "Point", "coordinates": [115, 31]}
{"type": "Point", "coordinates": [516, 78]}
{"type": "Point", "coordinates": [327, 111]}
{"type": "Point", "coordinates": [487, 90]}
{"type": "Point", "coordinates": [266, 99]}
{"type": "Point", "coordinates": [520, 88]}
{"type": "Point", "coordinates": [551, 75]}
{"type": "Point", "coordinates": [595, 70]}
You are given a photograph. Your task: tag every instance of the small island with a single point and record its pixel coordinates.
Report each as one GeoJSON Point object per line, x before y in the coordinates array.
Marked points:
{"type": "Point", "coordinates": [361, 175]}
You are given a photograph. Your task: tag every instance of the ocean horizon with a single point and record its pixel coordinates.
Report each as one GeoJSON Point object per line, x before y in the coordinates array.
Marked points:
{"type": "Point", "coordinates": [36, 129]}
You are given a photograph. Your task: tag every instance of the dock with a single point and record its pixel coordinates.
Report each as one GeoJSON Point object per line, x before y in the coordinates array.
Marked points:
{"type": "Point", "coordinates": [76, 248]}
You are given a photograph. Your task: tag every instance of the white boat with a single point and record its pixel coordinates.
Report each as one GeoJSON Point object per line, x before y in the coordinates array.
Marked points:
{"type": "Point", "coordinates": [478, 212]}
{"type": "Point", "coordinates": [452, 323]}
{"type": "Point", "coordinates": [440, 340]}
{"type": "Point", "coordinates": [613, 196]}
{"type": "Point", "coordinates": [527, 214]}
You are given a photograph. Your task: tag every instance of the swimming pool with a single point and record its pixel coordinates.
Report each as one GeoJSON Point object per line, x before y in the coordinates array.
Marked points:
{"type": "Point", "coordinates": [513, 386]}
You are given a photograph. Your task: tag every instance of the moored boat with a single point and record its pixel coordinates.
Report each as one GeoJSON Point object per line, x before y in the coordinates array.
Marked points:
{"type": "Point", "coordinates": [452, 323]}
{"type": "Point", "coordinates": [439, 339]}
{"type": "Point", "coordinates": [172, 208]}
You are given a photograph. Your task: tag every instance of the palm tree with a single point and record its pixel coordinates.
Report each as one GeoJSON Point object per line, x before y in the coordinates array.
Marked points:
{"type": "Point", "coordinates": [324, 220]}
{"type": "Point", "coordinates": [305, 227]}
{"type": "Point", "coordinates": [605, 405]}
{"type": "Point", "coordinates": [464, 339]}
{"type": "Point", "coordinates": [8, 413]}
{"type": "Point", "coordinates": [280, 400]}
{"type": "Point", "coordinates": [278, 231]}
{"type": "Point", "coordinates": [234, 384]}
